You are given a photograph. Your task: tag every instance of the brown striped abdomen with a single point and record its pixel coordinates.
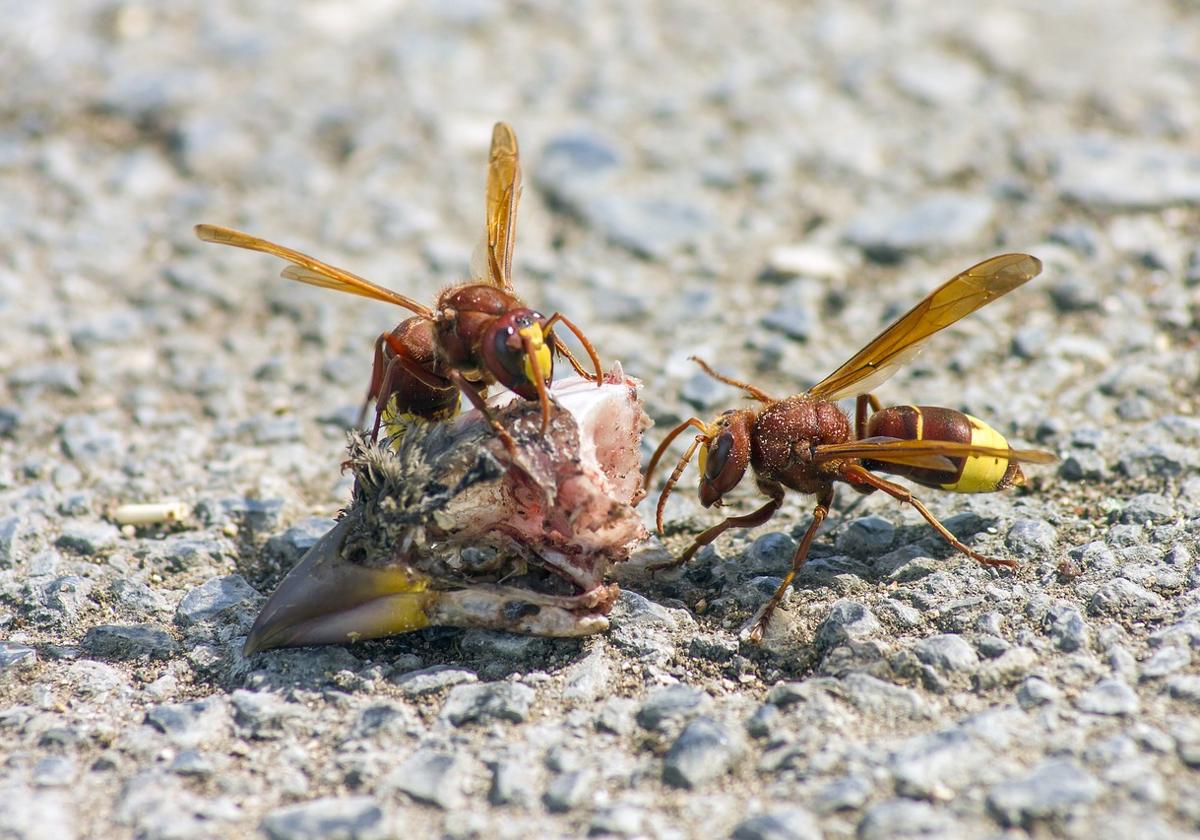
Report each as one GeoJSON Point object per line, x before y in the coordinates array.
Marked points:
{"type": "Point", "coordinates": [976, 474]}
{"type": "Point", "coordinates": [410, 398]}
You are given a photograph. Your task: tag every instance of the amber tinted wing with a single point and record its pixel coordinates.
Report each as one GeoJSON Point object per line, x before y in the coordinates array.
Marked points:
{"type": "Point", "coordinates": [306, 269]}
{"type": "Point", "coordinates": [955, 299]}
{"type": "Point", "coordinates": [503, 193]}
{"type": "Point", "coordinates": [930, 454]}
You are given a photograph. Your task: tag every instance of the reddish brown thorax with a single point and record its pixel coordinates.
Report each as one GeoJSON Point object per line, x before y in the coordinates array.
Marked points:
{"type": "Point", "coordinates": [785, 434]}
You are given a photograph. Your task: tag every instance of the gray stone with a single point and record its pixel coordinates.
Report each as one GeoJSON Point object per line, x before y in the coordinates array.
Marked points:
{"type": "Point", "coordinates": [651, 226]}
{"type": "Point", "coordinates": [571, 158]}
{"type": "Point", "coordinates": [1109, 697]}
{"type": "Point", "coordinates": [991, 646]}
{"type": "Point", "coordinates": [136, 598]}
{"type": "Point", "coordinates": [186, 551]}
{"type": "Point", "coordinates": [705, 393]}
{"type": "Point", "coordinates": [790, 824]}
{"type": "Point", "coordinates": [934, 766]}
{"type": "Point", "coordinates": [513, 783]}
{"type": "Point", "coordinates": [796, 321]}
{"type": "Point", "coordinates": [620, 820]}
{"type": "Point", "coordinates": [714, 648]}
{"type": "Point", "coordinates": [432, 777]}
{"type": "Point", "coordinates": [1122, 662]}
{"type": "Point", "coordinates": [947, 653]}
{"type": "Point", "coordinates": [1166, 661]}
{"type": "Point", "coordinates": [567, 791]}
{"type": "Point", "coordinates": [770, 553]}
{"type": "Point", "coordinates": [847, 621]}
{"type": "Point", "coordinates": [432, 679]}
{"type": "Point", "coordinates": [12, 529]}
{"type": "Point", "coordinates": [382, 719]}
{"type": "Point", "coordinates": [269, 430]}
{"type": "Point", "coordinates": [1031, 538]}
{"type": "Point", "coordinates": [220, 599]}
{"type": "Point", "coordinates": [588, 680]}
{"type": "Point", "coordinates": [62, 377]}
{"type": "Point", "coordinates": [192, 724]}
{"type": "Point", "coordinates": [263, 715]}
{"type": "Point", "coordinates": [1035, 692]}
{"type": "Point", "coordinates": [1118, 173]}
{"type": "Point", "coordinates": [1185, 687]}
{"type": "Point", "coordinates": [848, 793]}
{"type": "Point", "coordinates": [88, 440]}
{"type": "Point", "coordinates": [765, 720]}
{"type": "Point", "coordinates": [867, 536]}
{"type": "Point", "coordinates": [939, 221]}
{"type": "Point", "coordinates": [13, 656]}
{"type": "Point", "coordinates": [882, 699]}
{"type": "Point", "coordinates": [1153, 508]}
{"type": "Point", "coordinates": [31, 814]}
{"type": "Point", "coordinates": [328, 818]}
{"type": "Point", "coordinates": [287, 548]}
{"type": "Point", "coordinates": [500, 649]}
{"type": "Point", "coordinates": [1008, 668]}
{"type": "Point", "coordinates": [137, 641]}
{"type": "Point", "coordinates": [672, 704]}
{"type": "Point", "coordinates": [259, 516]}
{"type": "Point", "coordinates": [1074, 293]}
{"type": "Point", "coordinates": [488, 701]}
{"type": "Point", "coordinates": [1080, 237]}
{"type": "Point", "coordinates": [704, 751]}
{"type": "Point", "coordinates": [10, 419]}
{"type": "Point", "coordinates": [616, 716]}
{"type": "Point", "coordinates": [1054, 788]}
{"type": "Point", "coordinates": [54, 771]}
{"type": "Point", "coordinates": [193, 764]}
{"type": "Point", "coordinates": [158, 806]}
{"type": "Point", "coordinates": [1083, 465]}
{"type": "Point", "coordinates": [640, 613]}
{"type": "Point", "coordinates": [72, 504]}
{"type": "Point", "coordinates": [900, 613]}
{"type": "Point", "coordinates": [88, 538]}
{"type": "Point", "coordinates": [1066, 626]}
{"type": "Point", "coordinates": [901, 818]}
{"type": "Point", "coordinates": [1124, 598]}
{"type": "Point", "coordinates": [68, 595]}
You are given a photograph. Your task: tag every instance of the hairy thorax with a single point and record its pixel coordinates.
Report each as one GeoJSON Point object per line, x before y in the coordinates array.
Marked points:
{"type": "Point", "coordinates": [784, 436]}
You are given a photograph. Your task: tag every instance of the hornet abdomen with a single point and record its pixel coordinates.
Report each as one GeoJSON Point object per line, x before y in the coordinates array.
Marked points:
{"type": "Point", "coordinates": [975, 474]}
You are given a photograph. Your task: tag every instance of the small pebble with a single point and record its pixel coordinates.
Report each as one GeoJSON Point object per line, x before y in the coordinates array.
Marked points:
{"type": "Point", "coordinates": [704, 751]}
{"type": "Point", "coordinates": [488, 701]}
{"type": "Point", "coordinates": [1109, 697]}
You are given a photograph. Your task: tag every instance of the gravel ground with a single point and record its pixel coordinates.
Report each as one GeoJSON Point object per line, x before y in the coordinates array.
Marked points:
{"type": "Point", "coordinates": [763, 187]}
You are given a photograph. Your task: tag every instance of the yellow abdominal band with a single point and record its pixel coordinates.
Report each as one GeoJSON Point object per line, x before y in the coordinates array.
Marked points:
{"type": "Point", "coordinates": [981, 474]}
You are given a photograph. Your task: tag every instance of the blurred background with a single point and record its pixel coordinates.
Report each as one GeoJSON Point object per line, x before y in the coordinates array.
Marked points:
{"type": "Point", "coordinates": [762, 184]}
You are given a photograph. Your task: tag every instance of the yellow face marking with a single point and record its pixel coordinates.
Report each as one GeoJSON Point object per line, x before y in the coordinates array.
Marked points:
{"type": "Point", "coordinates": [710, 433]}
{"type": "Point", "coordinates": [537, 342]}
{"type": "Point", "coordinates": [981, 474]}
